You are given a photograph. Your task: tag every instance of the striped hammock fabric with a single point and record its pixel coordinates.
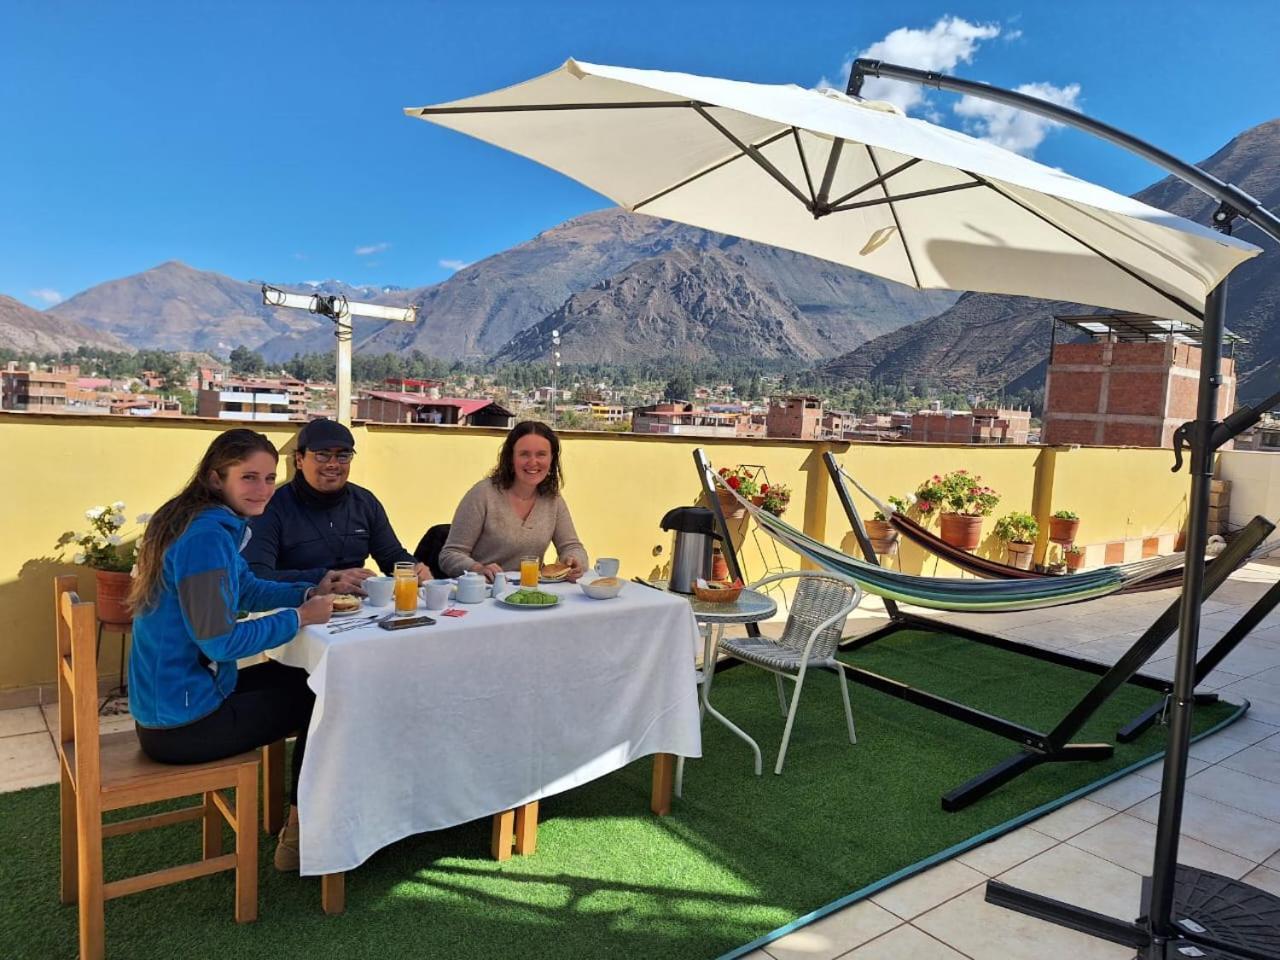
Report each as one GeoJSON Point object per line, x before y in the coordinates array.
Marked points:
{"type": "Point", "coordinates": [943, 593]}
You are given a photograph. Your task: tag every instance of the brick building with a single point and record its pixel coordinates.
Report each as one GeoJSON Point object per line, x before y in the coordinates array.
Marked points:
{"type": "Point", "coordinates": [678, 418]}
{"type": "Point", "coordinates": [32, 390]}
{"type": "Point", "coordinates": [979, 425]}
{"type": "Point", "coordinates": [1132, 385]}
{"type": "Point", "coordinates": [795, 417]}
{"type": "Point", "coordinates": [235, 398]}
{"type": "Point", "coordinates": [382, 406]}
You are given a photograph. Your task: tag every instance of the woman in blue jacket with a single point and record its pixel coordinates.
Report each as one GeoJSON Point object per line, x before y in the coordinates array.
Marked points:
{"type": "Point", "coordinates": [189, 701]}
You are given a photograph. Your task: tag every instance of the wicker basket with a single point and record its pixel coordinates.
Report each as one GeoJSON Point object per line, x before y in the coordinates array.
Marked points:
{"type": "Point", "coordinates": [723, 595]}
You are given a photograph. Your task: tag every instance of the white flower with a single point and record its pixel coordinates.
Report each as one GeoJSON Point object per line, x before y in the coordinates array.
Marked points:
{"type": "Point", "coordinates": [144, 518]}
{"type": "Point", "coordinates": [115, 539]}
{"type": "Point", "coordinates": [117, 520]}
{"type": "Point", "coordinates": [118, 506]}
{"type": "Point", "coordinates": [78, 558]}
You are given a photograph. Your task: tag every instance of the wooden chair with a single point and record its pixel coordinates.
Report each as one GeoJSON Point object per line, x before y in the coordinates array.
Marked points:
{"type": "Point", "coordinates": [110, 773]}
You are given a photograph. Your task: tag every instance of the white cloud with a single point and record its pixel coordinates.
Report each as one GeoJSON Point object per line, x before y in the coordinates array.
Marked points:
{"type": "Point", "coordinates": [1011, 128]}
{"type": "Point", "coordinates": [371, 249]}
{"type": "Point", "coordinates": [299, 256]}
{"type": "Point", "coordinates": [454, 264]}
{"type": "Point", "coordinates": [948, 42]}
{"type": "Point", "coordinates": [46, 295]}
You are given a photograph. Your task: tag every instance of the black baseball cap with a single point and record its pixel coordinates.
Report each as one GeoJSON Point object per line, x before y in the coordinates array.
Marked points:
{"type": "Point", "coordinates": [325, 434]}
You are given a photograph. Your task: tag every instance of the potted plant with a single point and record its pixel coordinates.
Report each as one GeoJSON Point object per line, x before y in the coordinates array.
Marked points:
{"type": "Point", "coordinates": [883, 536]}
{"type": "Point", "coordinates": [1018, 530]}
{"type": "Point", "coordinates": [774, 497]}
{"type": "Point", "coordinates": [962, 500]}
{"type": "Point", "coordinates": [743, 482]}
{"type": "Point", "coordinates": [105, 551]}
{"type": "Point", "coordinates": [1063, 526]}
{"type": "Point", "coordinates": [1074, 556]}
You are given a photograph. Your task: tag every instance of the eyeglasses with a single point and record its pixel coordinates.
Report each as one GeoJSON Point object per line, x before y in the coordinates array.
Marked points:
{"type": "Point", "coordinates": [324, 456]}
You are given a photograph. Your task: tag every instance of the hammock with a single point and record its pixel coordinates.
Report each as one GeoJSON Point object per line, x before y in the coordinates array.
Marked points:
{"type": "Point", "coordinates": [940, 593]}
{"type": "Point", "coordinates": [992, 569]}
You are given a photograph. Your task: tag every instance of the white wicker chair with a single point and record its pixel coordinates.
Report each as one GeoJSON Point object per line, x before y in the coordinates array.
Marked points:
{"type": "Point", "coordinates": [821, 604]}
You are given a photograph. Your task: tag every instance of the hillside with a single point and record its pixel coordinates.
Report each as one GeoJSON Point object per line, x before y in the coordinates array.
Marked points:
{"type": "Point", "coordinates": [26, 330]}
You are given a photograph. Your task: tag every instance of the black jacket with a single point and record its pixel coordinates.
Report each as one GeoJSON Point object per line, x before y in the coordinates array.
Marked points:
{"type": "Point", "coordinates": [299, 538]}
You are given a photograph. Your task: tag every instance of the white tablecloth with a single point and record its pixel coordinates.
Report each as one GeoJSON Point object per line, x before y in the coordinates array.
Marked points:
{"type": "Point", "coordinates": [427, 728]}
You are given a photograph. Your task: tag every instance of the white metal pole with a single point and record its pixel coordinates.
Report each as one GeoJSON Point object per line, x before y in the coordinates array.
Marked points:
{"type": "Point", "coordinates": [343, 331]}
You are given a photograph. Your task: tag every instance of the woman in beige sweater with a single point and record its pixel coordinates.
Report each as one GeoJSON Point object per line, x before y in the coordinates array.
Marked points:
{"type": "Point", "coordinates": [516, 511]}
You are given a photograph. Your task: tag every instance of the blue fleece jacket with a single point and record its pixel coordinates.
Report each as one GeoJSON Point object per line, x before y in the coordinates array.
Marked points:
{"type": "Point", "coordinates": [185, 646]}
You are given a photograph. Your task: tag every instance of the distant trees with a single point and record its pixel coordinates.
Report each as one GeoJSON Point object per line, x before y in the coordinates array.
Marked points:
{"type": "Point", "coordinates": [679, 387]}
{"type": "Point", "coordinates": [246, 362]}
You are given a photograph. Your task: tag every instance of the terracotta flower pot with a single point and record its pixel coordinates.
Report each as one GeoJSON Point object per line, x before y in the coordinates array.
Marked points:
{"type": "Point", "coordinates": [1063, 531]}
{"type": "Point", "coordinates": [884, 539]}
{"type": "Point", "coordinates": [1075, 561]}
{"type": "Point", "coordinates": [113, 591]}
{"type": "Point", "coordinates": [961, 530]}
{"type": "Point", "coordinates": [729, 506]}
{"type": "Point", "coordinates": [1020, 554]}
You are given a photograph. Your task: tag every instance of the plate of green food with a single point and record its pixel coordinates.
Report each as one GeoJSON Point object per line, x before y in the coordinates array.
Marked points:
{"type": "Point", "coordinates": [529, 599]}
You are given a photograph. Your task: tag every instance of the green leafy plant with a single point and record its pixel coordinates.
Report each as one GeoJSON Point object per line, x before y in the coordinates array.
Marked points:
{"type": "Point", "coordinates": [776, 497]}
{"type": "Point", "coordinates": [1073, 551]}
{"type": "Point", "coordinates": [899, 504]}
{"type": "Point", "coordinates": [741, 480]}
{"type": "Point", "coordinates": [102, 546]}
{"type": "Point", "coordinates": [956, 492]}
{"type": "Point", "coordinates": [1017, 527]}
{"type": "Point", "coordinates": [1065, 515]}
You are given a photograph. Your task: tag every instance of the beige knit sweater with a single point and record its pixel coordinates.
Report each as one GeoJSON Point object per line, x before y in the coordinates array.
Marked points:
{"type": "Point", "coordinates": [486, 530]}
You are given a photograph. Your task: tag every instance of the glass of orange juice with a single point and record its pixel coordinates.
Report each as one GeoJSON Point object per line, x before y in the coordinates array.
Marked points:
{"type": "Point", "coordinates": [530, 568]}
{"type": "Point", "coordinates": [406, 589]}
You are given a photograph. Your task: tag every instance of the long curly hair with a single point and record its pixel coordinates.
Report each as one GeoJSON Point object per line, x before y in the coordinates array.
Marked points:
{"type": "Point", "coordinates": [504, 474]}
{"type": "Point", "coordinates": [172, 519]}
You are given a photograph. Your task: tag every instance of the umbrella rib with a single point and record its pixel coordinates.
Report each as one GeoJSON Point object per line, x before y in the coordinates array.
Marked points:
{"type": "Point", "coordinates": [914, 195]}
{"type": "Point", "coordinates": [878, 181]}
{"type": "Point", "coordinates": [828, 175]}
{"type": "Point", "coordinates": [702, 173]}
{"type": "Point", "coordinates": [1178, 301]}
{"type": "Point", "coordinates": [804, 164]}
{"type": "Point", "coordinates": [539, 107]}
{"type": "Point", "coordinates": [875, 165]}
{"type": "Point", "coordinates": [754, 154]}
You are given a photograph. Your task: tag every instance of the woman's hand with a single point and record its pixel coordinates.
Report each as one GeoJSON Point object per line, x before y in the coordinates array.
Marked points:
{"type": "Point", "coordinates": [316, 610]}
{"type": "Point", "coordinates": [575, 569]}
{"type": "Point", "coordinates": [491, 571]}
{"type": "Point", "coordinates": [344, 581]}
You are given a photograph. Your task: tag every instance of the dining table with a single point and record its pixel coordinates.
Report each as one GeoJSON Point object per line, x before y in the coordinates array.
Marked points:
{"type": "Point", "coordinates": [485, 713]}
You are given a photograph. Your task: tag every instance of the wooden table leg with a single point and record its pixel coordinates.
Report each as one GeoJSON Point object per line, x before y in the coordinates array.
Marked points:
{"type": "Point", "coordinates": [504, 828]}
{"type": "Point", "coordinates": [664, 768]}
{"type": "Point", "coordinates": [527, 829]}
{"type": "Point", "coordinates": [273, 788]}
{"type": "Point", "coordinates": [333, 893]}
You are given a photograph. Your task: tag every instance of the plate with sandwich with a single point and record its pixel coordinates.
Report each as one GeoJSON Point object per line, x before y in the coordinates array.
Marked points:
{"type": "Point", "coordinates": [554, 572]}
{"type": "Point", "coordinates": [344, 604]}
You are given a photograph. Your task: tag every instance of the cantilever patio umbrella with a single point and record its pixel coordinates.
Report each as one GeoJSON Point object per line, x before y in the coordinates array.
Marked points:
{"type": "Point", "coordinates": [852, 181]}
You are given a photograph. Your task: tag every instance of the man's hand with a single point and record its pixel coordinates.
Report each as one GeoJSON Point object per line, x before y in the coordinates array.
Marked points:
{"type": "Point", "coordinates": [424, 573]}
{"type": "Point", "coordinates": [316, 610]}
{"type": "Point", "coordinates": [491, 571]}
{"type": "Point", "coordinates": [575, 569]}
{"type": "Point", "coordinates": [344, 581]}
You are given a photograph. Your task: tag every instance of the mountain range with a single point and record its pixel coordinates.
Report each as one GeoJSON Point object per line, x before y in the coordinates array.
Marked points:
{"type": "Point", "coordinates": [26, 330]}
{"type": "Point", "coordinates": [994, 342]}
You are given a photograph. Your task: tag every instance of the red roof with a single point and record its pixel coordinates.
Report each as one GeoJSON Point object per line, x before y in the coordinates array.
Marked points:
{"type": "Point", "coordinates": [465, 406]}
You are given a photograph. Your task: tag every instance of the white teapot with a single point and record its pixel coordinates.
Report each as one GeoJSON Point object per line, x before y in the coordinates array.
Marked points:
{"type": "Point", "coordinates": [472, 587]}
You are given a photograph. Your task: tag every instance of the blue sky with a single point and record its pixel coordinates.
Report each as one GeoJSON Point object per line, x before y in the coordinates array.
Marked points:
{"type": "Point", "coordinates": [266, 140]}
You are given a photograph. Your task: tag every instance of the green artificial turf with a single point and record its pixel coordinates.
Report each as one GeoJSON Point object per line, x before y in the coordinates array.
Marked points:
{"type": "Point", "coordinates": [739, 857]}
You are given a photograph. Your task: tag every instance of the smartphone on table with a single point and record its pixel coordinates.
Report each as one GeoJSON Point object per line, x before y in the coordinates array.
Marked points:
{"type": "Point", "coordinates": [404, 623]}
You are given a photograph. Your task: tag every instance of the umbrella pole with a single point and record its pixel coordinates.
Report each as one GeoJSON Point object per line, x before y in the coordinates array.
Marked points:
{"type": "Point", "coordinates": [1248, 917]}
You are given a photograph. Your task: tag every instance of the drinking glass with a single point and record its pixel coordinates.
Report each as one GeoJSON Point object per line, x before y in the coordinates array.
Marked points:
{"type": "Point", "coordinates": [530, 567]}
{"type": "Point", "coordinates": [406, 589]}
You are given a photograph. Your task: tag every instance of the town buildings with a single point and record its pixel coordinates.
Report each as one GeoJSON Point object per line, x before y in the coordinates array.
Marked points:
{"type": "Point", "coordinates": [241, 398]}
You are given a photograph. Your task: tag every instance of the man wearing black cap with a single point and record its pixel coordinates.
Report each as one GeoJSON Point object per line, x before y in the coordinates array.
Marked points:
{"type": "Point", "coordinates": [319, 527]}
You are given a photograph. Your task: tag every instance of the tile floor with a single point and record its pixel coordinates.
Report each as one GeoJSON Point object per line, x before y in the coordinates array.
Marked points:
{"type": "Point", "coordinates": [1093, 852]}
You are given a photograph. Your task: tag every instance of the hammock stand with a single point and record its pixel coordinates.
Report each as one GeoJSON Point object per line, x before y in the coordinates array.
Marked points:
{"type": "Point", "coordinates": [982, 567]}
{"type": "Point", "coordinates": [1035, 746]}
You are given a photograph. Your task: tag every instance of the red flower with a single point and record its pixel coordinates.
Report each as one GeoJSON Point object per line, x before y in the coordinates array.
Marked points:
{"type": "Point", "coordinates": [924, 505]}
{"type": "Point", "coordinates": [764, 488]}
{"type": "Point", "coordinates": [724, 471]}
{"type": "Point", "coordinates": [734, 482]}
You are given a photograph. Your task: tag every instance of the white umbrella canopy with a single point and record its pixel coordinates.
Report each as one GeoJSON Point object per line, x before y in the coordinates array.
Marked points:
{"type": "Point", "coordinates": [852, 181]}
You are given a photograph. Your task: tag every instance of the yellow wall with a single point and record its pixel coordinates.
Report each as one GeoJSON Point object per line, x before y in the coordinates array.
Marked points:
{"type": "Point", "coordinates": [618, 487]}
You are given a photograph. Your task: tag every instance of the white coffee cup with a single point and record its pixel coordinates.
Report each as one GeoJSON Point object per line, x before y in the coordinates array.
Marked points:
{"type": "Point", "coordinates": [435, 594]}
{"type": "Point", "coordinates": [607, 566]}
{"type": "Point", "coordinates": [380, 590]}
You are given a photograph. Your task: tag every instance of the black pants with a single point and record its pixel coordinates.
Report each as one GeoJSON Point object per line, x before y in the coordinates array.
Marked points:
{"type": "Point", "coordinates": [270, 702]}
